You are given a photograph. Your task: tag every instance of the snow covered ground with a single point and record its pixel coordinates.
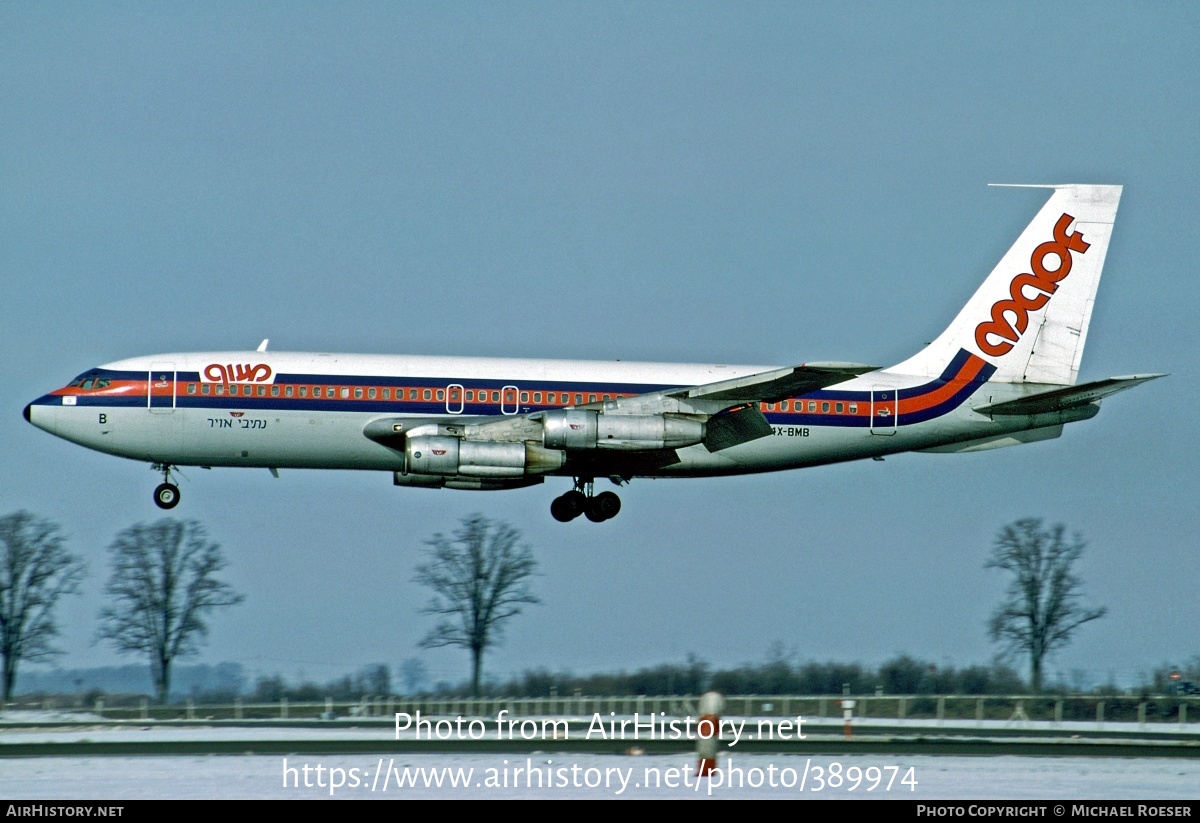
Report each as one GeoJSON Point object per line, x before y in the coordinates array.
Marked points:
{"type": "Point", "coordinates": [546, 775]}
{"type": "Point", "coordinates": [597, 776]}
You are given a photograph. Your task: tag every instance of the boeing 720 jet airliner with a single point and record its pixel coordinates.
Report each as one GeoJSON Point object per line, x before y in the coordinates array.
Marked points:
{"type": "Point", "coordinates": [1002, 374]}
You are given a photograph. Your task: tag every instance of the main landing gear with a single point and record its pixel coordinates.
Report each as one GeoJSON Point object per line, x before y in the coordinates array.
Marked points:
{"type": "Point", "coordinates": [166, 493]}
{"type": "Point", "coordinates": [580, 500]}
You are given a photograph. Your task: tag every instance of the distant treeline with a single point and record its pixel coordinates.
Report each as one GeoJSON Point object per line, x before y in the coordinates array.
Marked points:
{"type": "Point", "coordinates": [223, 678]}
{"type": "Point", "coordinates": [901, 675]}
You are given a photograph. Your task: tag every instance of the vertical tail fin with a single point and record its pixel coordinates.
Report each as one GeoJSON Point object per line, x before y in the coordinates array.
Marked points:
{"type": "Point", "coordinates": [1030, 317]}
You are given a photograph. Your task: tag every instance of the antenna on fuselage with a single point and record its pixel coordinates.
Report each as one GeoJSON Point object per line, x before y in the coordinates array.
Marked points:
{"type": "Point", "coordinates": [263, 345]}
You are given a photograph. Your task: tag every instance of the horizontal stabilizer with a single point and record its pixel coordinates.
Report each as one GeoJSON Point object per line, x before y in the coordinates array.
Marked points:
{"type": "Point", "coordinates": [738, 425]}
{"type": "Point", "coordinates": [780, 384]}
{"type": "Point", "coordinates": [1068, 397]}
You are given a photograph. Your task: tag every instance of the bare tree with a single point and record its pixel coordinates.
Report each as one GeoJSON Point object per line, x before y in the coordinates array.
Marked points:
{"type": "Point", "coordinates": [163, 586]}
{"type": "Point", "coordinates": [35, 571]}
{"type": "Point", "coordinates": [1042, 608]}
{"type": "Point", "coordinates": [480, 580]}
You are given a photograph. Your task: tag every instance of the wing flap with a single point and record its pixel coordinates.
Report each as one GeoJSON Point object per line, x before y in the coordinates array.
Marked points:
{"type": "Point", "coordinates": [735, 426]}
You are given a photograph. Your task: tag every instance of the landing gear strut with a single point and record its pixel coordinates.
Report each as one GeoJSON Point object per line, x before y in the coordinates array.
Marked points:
{"type": "Point", "coordinates": [580, 500]}
{"type": "Point", "coordinates": [166, 493]}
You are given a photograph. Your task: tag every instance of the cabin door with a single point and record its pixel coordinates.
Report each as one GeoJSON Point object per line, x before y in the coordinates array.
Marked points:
{"type": "Point", "coordinates": [160, 388]}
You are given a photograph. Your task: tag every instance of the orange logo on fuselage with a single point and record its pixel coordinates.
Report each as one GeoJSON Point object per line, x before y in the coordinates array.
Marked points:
{"type": "Point", "coordinates": [239, 373]}
{"type": "Point", "coordinates": [1044, 281]}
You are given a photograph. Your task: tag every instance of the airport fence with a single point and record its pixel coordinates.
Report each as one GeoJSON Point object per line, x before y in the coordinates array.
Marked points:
{"type": "Point", "coordinates": [979, 708]}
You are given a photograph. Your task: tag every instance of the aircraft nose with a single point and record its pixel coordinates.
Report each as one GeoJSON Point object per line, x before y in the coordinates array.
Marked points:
{"type": "Point", "coordinates": [28, 406]}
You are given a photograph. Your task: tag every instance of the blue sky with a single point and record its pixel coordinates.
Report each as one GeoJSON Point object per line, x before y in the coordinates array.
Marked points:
{"type": "Point", "coordinates": [744, 183]}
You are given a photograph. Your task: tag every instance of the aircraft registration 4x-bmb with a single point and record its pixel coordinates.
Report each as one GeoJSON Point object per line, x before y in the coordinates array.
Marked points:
{"type": "Point", "coordinates": [1002, 374]}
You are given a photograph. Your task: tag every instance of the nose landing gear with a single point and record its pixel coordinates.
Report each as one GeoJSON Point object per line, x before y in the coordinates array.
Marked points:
{"type": "Point", "coordinates": [166, 493]}
{"type": "Point", "coordinates": [580, 500]}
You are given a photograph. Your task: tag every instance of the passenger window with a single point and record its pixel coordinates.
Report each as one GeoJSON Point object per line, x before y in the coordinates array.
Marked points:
{"type": "Point", "coordinates": [288, 391]}
{"type": "Point", "coordinates": [428, 394]}
{"type": "Point", "coordinates": [783, 406]}
{"type": "Point", "coordinates": [824, 408]}
{"type": "Point", "coordinates": [812, 405]}
{"type": "Point", "coordinates": [838, 408]}
{"type": "Point", "coordinates": [495, 397]}
{"type": "Point", "coordinates": [387, 394]}
{"type": "Point", "coordinates": [537, 397]}
{"type": "Point", "coordinates": [551, 397]}
{"type": "Point", "coordinates": [262, 391]}
{"type": "Point", "coordinates": [441, 394]}
{"type": "Point", "coordinates": [191, 388]}
{"type": "Point", "coordinates": [274, 391]}
{"type": "Point", "coordinates": [854, 408]}
{"type": "Point", "coordinates": [304, 391]}
{"type": "Point", "coordinates": [205, 388]}
{"type": "Point", "coordinates": [412, 394]}
{"type": "Point", "coordinates": [470, 395]}
{"type": "Point", "coordinates": [578, 399]}
{"type": "Point", "coordinates": [370, 394]}
{"type": "Point", "coordinates": [220, 388]}
{"type": "Point", "coordinates": [524, 397]}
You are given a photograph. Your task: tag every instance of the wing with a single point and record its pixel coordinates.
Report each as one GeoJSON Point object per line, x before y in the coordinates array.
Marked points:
{"type": "Point", "coordinates": [626, 436]}
{"type": "Point", "coordinates": [727, 411]}
{"type": "Point", "coordinates": [773, 386]}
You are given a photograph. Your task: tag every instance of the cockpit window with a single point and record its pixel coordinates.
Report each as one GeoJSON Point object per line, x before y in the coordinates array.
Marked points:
{"type": "Point", "coordinates": [91, 381]}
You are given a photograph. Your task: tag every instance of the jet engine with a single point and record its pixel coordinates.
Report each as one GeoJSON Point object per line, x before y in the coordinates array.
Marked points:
{"type": "Point", "coordinates": [453, 457]}
{"type": "Point", "coordinates": [585, 429]}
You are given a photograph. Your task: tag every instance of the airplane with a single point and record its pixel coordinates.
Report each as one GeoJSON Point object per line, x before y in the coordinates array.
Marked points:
{"type": "Point", "coordinates": [1003, 373]}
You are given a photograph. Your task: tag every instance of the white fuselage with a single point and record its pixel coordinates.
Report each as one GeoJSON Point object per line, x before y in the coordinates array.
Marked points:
{"type": "Point", "coordinates": [298, 410]}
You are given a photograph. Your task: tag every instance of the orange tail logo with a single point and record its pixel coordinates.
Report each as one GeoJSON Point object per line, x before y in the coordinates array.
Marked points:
{"type": "Point", "coordinates": [1044, 281]}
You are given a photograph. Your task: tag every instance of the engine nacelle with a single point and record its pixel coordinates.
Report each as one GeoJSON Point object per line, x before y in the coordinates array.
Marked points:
{"type": "Point", "coordinates": [585, 429]}
{"type": "Point", "coordinates": [571, 429]}
{"type": "Point", "coordinates": [446, 456]}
